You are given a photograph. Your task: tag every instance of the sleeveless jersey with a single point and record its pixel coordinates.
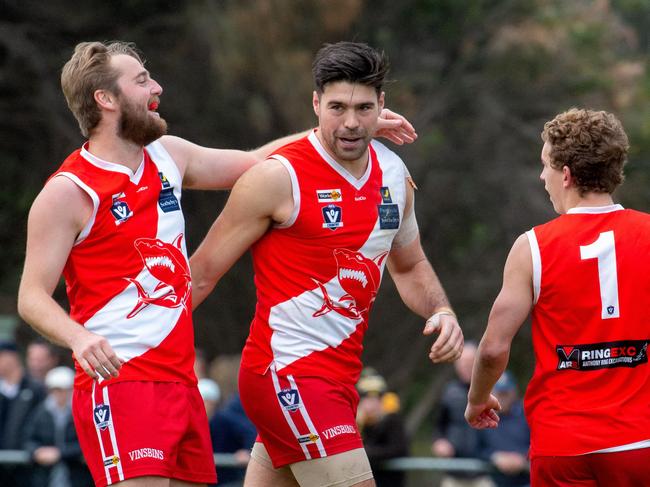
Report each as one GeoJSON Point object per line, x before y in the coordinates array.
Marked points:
{"type": "Point", "coordinates": [317, 275]}
{"type": "Point", "coordinates": [591, 386]}
{"type": "Point", "coordinates": [127, 275]}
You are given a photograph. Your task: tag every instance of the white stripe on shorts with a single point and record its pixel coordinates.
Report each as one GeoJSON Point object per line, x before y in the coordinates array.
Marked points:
{"type": "Point", "coordinates": [287, 415]}
{"type": "Point", "coordinates": [111, 430]}
{"type": "Point", "coordinates": [307, 419]}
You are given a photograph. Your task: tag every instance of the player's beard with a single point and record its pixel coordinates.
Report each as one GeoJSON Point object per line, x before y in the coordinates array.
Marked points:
{"type": "Point", "coordinates": [138, 125]}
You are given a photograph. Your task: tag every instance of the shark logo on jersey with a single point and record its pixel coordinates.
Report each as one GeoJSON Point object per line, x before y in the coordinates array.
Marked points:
{"type": "Point", "coordinates": [359, 277]}
{"type": "Point", "coordinates": [120, 209]}
{"type": "Point", "coordinates": [166, 263]}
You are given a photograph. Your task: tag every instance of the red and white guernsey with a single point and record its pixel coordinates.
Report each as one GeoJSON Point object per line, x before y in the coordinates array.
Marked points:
{"type": "Point", "coordinates": [591, 326]}
{"type": "Point", "coordinates": [317, 275]}
{"type": "Point", "coordinates": [127, 276]}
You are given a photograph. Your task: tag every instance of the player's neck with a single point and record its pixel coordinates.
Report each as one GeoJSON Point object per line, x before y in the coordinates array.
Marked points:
{"type": "Point", "coordinates": [356, 168]}
{"type": "Point", "coordinates": [590, 200]}
{"type": "Point", "coordinates": [115, 149]}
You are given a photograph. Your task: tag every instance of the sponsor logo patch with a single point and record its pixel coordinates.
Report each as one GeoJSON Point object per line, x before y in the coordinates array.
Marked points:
{"type": "Point", "coordinates": [332, 217]}
{"type": "Point", "coordinates": [141, 453]}
{"type": "Point", "coordinates": [605, 355]}
{"type": "Point", "coordinates": [341, 429]}
{"type": "Point", "coordinates": [167, 200]}
{"type": "Point", "coordinates": [111, 462]}
{"type": "Point", "coordinates": [385, 194]}
{"type": "Point", "coordinates": [310, 438]}
{"type": "Point", "coordinates": [102, 416]}
{"type": "Point", "coordinates": [328, 195]}
{"type": "Point", "coordinates": [388, 216]}
{"type": "Point", "coordinates": [289, 399]}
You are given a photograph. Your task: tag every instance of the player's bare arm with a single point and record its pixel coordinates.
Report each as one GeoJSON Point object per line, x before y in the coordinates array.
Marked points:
{"type": "Point", "coordinates": [206, 168]}
{"type": "Point", "coordinates": [261, 197]}
{"type": "Point", "coordinates": [48, 247]}
{"type": "Point", "coordinates": [421, 290]}
{"type": "Point", "coordinates": [510, 310]}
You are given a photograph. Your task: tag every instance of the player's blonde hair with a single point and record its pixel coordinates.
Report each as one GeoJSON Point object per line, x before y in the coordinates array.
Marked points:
{"type": "Point", "coordinates": [87, 71]}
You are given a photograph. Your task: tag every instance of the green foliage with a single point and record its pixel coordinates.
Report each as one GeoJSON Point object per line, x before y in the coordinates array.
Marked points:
{"type": "Point", "coordinates": [478, 79]}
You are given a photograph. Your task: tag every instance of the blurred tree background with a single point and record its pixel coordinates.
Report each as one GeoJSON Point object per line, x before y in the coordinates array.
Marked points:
{"type": "Point", "coordinates": [478, 79]}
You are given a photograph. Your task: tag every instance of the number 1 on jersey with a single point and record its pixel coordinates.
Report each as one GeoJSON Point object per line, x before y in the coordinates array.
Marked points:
{"type": "Point", "coordinates": [604, 250]}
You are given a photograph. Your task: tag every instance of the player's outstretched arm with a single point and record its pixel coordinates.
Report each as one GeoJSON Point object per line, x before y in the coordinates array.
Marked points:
{"type": "Point", "coordinates": [259, 198]}
{"type": "Point", "coordinates": [206, 168]}
{"type": "Point", "coordinates": [48, 248]}
{"type": "Point", "coordinates": [509, 312]}
{"type": "Point", "coordinates": [421, 290]}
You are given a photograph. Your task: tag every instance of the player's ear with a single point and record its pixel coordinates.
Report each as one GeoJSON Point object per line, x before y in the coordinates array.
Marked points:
{"type": "Point", "coordinates": [105, 99]}
{"type": "Point", "coordinates": [315, 101]}
{"type": "Point", "coordinates": [381, 101]}
{"type": "Point", "coordinates": [567, 177]}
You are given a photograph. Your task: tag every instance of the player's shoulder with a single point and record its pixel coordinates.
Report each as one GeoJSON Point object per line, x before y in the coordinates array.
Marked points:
{"type": "Point", "coordinates": [383, 151]}
{"type": "Point", "coordinates": [387, 157]}
{"type": "Point", "coordinates": [271, 172]}
{"type": "Point", "coordinates": [296, 149]}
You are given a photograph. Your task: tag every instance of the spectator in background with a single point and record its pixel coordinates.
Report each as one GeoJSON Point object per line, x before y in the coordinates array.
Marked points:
{"type": "Point", "coordinates": [19, 397]}
{"type": "Point", "coordinates": [453, 437]}
{"type": "Point", "coordinates": [382, 431]}
{"type": "Point", "coordinates": [507, 447]}
{"type": "Point", "coordinates": [200, 364]}
{"type": "Point", "coordinates": [40, 358]}
{"type": "Point", "coordinates": [52, 439]}
{"type": "Point", "coordinates": [230, 430]}
{"type": "Point", "coordinates": [211, 394]}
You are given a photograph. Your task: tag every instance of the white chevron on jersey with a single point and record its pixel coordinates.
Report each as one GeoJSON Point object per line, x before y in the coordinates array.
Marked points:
{"type": "Point", "coordinates": [296, 331]}
{"type": "Point", "coordinates": [151, 324]}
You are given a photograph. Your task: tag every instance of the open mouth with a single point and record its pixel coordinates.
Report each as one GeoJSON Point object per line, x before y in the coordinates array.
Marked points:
{"type": "Point", "coordinates": [349, 141]}
{"type": "Point", "coordinates": [153, 106]}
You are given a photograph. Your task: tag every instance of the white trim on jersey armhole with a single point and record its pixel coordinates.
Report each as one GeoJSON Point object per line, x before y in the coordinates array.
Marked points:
{"type": "Point", "coordinates": [537, 264]}
{"type": "Point", "coordinates": [158, 153]}
{"type": "Point", "coordinates": [93, 196]}
{"type": "Point", "coordinates": [295, 191]}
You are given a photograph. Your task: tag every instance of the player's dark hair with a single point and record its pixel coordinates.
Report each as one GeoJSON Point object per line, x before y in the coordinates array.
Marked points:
{"type": "Point", "coordinates": [355, 62]}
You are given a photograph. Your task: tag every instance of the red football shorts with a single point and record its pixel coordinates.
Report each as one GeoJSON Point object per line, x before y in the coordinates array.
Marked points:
{"type": "Point", "coordinates": [300, 418]}
{"type": "Point", "coordinates": [631, 467]}
{"type": "Point", "coordinates": [135, 429]}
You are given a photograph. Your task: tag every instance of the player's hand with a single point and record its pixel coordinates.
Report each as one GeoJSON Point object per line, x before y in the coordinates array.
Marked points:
{"type": "Point", "coordinates": [47, 455]}
{"type": "Point", "coordinates": [95, 355]}
{"type": "Point", "coordinates": [449, 344]}
{"type": "Point", "coordinates": [482, 416]}
{"type": "Point", "coordinates": [395, 127]}
{"type": "Point", "coordinates": [509, 462]}
{"type": "Point", "coordinates": [443, 448]}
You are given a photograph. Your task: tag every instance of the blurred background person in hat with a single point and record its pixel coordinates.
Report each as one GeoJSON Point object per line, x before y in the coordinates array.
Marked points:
{"type": "Point", "coordinates": [507, 446]}
{"type": "Point", "coordinates": [230, 431]}
{"type": "Point", "coordinates": [453, 437]}
{"type": "Point", "coordinates": [19, 397]}
{"type": "Point", "coordinates": [381, 427]}
{"type": "Point", "coordinates": [52, 439]}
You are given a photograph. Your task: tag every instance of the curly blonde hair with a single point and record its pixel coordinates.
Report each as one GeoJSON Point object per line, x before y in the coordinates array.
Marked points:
{"type": "Point", "coordinates": [592, 144]}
